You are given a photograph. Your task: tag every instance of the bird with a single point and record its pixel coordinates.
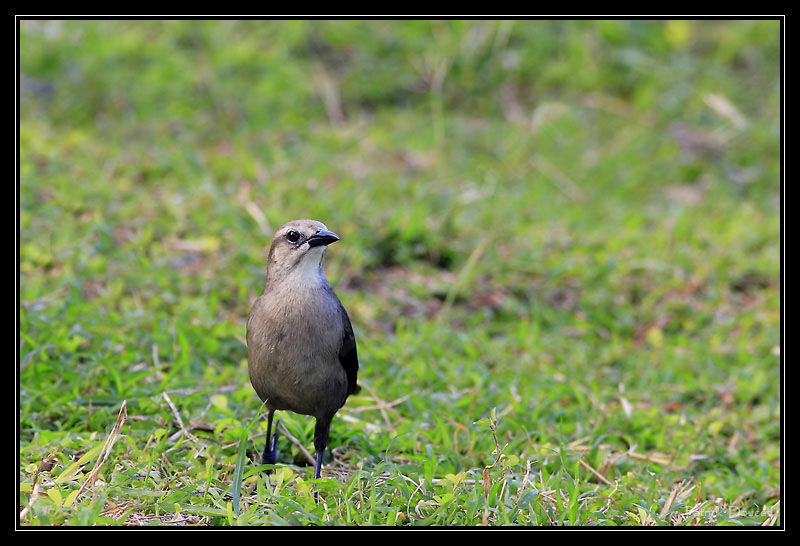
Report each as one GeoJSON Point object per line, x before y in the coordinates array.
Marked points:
{"type": "Point", "coordinates": [301, 349]}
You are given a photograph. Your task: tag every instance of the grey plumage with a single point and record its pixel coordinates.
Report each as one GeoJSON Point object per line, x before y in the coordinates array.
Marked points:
{"type": "Point", "coordinates": [301, 349]}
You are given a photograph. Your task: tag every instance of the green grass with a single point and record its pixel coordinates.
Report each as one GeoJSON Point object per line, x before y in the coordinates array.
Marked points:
{"type": "Point", "coordinates": [560, 252]}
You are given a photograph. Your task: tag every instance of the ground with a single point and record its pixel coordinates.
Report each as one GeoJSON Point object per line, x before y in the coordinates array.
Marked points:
{"type": "Point", "coordinates": [560, 253]}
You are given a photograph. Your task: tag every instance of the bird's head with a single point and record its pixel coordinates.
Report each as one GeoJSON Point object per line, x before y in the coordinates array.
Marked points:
{"type": "Point", "coordinates": [298, 248]}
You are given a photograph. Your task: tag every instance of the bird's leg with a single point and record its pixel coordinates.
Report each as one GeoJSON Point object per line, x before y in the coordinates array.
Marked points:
{"type": "Point", "coordinates": [318, 467]}
{"type": "Point", "coordinates": [317, 470]}
{"type": "Point", "coordinates": [274, 451]}
{"type": "Point", "coordinates": [321, 435]}
{"type": "Point", "coordinates": [270, 452]}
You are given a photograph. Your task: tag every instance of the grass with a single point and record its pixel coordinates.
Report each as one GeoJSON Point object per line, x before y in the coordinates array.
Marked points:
{"type": "Point", "coordinates": [560, 252]}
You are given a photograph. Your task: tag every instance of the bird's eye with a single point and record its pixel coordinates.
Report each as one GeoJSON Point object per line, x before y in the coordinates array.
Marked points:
{"type": "Point", "coordinates": [293, 236]}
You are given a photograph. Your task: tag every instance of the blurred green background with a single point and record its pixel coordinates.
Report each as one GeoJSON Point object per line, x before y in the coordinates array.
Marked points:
{"type": "Point", "coordinates": [573, 222]}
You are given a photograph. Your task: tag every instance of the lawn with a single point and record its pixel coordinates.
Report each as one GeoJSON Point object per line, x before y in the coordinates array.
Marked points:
{"type": "Point", "coordinates": [560, 253]}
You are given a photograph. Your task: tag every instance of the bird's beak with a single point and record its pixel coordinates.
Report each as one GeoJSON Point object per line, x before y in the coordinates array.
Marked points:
{"type": "Point", "coordinates": [322, 237]}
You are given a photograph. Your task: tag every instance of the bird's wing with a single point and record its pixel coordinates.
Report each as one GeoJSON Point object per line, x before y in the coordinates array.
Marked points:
{"type": "Point", "coordinates": [348, 355]}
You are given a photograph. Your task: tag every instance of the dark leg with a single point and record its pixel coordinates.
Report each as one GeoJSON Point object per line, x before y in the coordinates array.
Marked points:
{"type": "Point", "coordinates": [270, 453]}
{"type": "Point", "coordinates": [321, 435]}
{"type": "Point", "coordinates": [318, 468]}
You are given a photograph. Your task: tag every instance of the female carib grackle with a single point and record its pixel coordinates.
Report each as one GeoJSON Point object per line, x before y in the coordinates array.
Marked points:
{"type": "Point", "coordinates": [301, 349]}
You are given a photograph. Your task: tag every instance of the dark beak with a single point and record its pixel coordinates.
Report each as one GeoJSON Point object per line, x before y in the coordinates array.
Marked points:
{"type": "Point", "coordinates": [322, 237]}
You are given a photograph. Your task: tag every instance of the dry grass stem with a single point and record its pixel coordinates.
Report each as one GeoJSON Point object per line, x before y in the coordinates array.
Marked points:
{"type": "Point", "coordinates": [595, 472]}
{"type": "Point", "coordinates": [183, 430]}
{"type": "Point", "coordinates": [296, 442]}
{"type": "Point", "coordinates": [107, 447]}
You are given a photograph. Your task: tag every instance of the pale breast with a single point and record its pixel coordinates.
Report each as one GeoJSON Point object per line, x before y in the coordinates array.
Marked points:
{"type": "Point", "coordinates": [293, 341]}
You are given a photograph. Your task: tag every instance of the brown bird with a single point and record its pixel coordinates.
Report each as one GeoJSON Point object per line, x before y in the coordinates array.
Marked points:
{"type": "Point", "coordinates": [301, 349]}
